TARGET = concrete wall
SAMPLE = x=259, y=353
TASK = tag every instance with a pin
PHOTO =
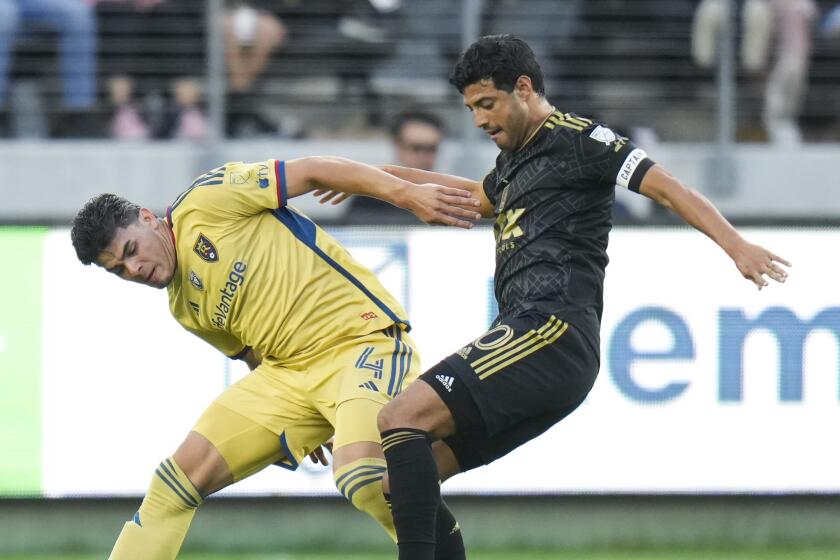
x=48, y=181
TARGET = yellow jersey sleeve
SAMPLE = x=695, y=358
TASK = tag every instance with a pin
x=239, y=189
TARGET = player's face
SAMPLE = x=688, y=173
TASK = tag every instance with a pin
x=502, y=115
x=143, y=252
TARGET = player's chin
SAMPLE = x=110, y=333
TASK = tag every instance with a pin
x=501, y=141
x=161, y=284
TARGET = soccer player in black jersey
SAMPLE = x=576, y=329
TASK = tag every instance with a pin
x=550, y=193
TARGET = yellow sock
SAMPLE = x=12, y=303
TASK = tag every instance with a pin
x=361, y=483
x=159, y=527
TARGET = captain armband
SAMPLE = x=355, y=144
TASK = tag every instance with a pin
x=633, y=170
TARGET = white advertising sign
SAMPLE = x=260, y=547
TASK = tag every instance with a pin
x=706, y=384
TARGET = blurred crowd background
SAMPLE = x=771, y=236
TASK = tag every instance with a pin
x=136, y=69
x=730, y=94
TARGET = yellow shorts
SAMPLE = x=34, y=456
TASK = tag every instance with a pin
x=279, y=414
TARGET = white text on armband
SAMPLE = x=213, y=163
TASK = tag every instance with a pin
x=629, y=167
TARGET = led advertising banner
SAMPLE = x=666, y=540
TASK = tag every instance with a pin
x=706, y=384
x=20, y=361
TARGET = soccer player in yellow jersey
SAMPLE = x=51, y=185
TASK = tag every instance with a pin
x=328, y=345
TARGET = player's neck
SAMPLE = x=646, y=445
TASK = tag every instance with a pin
x=543, y=110
x=169, y=242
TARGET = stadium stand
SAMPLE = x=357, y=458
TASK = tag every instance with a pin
x=625, y=62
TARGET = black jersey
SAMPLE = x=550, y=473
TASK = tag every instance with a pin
x=553, y=201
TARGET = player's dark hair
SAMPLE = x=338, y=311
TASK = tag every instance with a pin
x=413, y=115
x=96, y=224
x=501, y=58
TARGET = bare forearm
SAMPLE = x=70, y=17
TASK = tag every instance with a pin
x=419, y=176
x=431, y=203
x=346, y=176
x=753, y=261
x=696, y=210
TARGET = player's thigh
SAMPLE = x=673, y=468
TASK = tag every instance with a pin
x=261, y=420
x=514, y=382
x=352, y=384
x=475, y=449
x=523, y=368
x=376, y=366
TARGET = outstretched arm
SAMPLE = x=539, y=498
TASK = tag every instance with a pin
x=432, y=203
x=753, y=261
x=419, y=176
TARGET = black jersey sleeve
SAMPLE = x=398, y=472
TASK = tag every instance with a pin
x=489, y=185
x=629, y=166
x=608, y=159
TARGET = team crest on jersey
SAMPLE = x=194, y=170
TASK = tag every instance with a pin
x=195, y=307
x=196, y=281
x=205, y=249
x=603, y=134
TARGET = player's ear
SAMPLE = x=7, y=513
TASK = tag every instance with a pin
x=523, y=87
x=146, y=216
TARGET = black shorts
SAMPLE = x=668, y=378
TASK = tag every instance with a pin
x=512, y=384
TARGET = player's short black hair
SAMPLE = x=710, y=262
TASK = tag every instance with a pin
x=501, y=58
x=413, y=115
x=96, y=224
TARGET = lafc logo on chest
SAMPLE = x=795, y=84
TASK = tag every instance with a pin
x=506, y=226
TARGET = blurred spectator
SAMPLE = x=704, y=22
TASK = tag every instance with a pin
x=788, y=80
x=186, y=120
x=251, y=36
x=126, y=121
x=830, y=26
x=790, y=23
x=75, y=23
x=415, y=137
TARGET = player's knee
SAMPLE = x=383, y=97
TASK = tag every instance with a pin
x=203, y=464
x=360, y=482
x=388, y=418
x=170, y=493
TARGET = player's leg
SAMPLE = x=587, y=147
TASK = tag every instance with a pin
x=360, y=475
x=517, y=371
x=197, y=469
x=358, y=464
x=374, y=370
x=408, y=425
x=158, y=528
x=239, y=434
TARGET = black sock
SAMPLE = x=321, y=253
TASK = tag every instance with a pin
x=415, y=492
x=449, y=543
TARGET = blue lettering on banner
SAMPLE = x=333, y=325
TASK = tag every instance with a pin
x=790, y=332
x=622, y=354
x=734, y=327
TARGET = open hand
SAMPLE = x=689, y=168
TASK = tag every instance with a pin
x=755, y=262
x=448, y=206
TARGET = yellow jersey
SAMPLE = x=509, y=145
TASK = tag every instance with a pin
x=253, y=272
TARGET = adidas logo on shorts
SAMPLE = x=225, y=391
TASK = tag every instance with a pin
x=446, y=381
